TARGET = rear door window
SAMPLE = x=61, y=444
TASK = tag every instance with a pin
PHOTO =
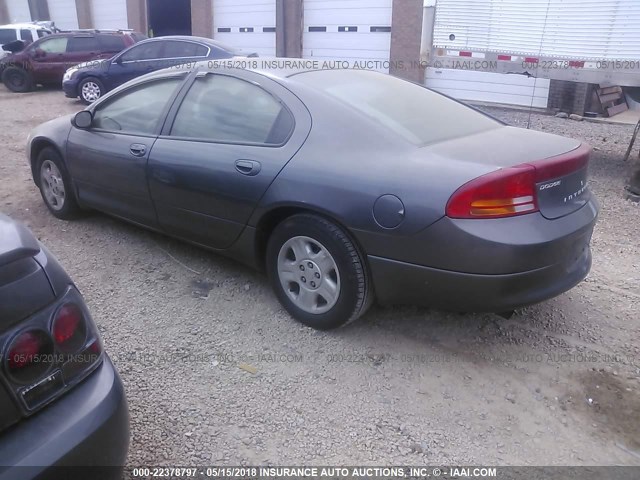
x=145, y=51
x=7, y=35
x=82, y=44
x=175, y=49
x=226, y=109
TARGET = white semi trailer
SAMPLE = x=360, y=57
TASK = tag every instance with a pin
x=592, y=41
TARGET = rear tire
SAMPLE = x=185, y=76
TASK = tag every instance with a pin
x=55, y=185
x=17, y=80
x=90, y=89
x=317, y=273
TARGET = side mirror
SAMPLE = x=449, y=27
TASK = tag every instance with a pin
x=39, y=53
x=83, y=119
x=119, y=60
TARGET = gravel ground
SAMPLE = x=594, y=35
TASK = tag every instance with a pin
x=217, y=373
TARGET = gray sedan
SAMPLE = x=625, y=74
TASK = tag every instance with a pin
x=344, y=185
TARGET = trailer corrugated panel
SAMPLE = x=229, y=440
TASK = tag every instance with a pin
x=572, y=29
x=489, y=87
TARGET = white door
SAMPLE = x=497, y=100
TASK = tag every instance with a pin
x=489, y=87
x=63, y=14
x=249, y=25
x=18, y=11
x=109, y=14
x=353, y=30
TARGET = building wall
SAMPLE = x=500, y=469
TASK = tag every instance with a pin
x=202, y=18
x=111, y=14
x=64, y=14
x=406, y=36
x=18, y=11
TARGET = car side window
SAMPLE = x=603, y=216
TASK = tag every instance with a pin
x=7, y=35
x=26, y=35
x=111, y=43
x=178, y=49
x=54, y=45
x=226, y=109
x=136, y=110
x=82, y=44
x=145, y=51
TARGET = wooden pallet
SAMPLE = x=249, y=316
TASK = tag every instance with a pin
x=612, y=100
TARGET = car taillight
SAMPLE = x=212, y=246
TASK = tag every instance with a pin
x=503, y=193
x=59, y=347
x=69, y=328
x=512, y=191
x=29, y=356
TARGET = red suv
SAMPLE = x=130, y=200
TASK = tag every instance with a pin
x=45, y=60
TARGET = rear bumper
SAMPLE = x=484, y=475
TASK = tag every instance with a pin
x=87, y=427
x=488, y=266
x=404, y=283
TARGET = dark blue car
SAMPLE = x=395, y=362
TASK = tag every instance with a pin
x=91, y=80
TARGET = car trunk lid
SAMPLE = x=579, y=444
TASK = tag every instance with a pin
x=560, y=163
x=24, y=286
x=562, y=185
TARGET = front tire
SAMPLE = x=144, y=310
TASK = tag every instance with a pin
x=17, y=80
x=317, y=273
x=55, y=185
x=90, y=90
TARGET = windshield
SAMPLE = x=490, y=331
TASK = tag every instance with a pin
x=418, y=114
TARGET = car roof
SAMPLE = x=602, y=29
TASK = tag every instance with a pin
x=85, y=33
x=189, y=38
x=24, y=26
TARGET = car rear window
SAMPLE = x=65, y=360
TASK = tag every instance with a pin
x=418, y=114
x=7, y=35
x=111, y=43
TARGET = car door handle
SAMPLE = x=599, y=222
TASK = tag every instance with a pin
x=248, y=167
x=138, y=149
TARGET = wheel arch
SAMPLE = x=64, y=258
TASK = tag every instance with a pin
x=270, y=219
x=37, y=145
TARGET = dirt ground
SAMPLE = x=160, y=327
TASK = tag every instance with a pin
x=217, y=373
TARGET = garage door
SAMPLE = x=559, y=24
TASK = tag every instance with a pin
x=18, y=11
x=246, y=24
x=489, y=87
x=109, y=14
x=63, y=13
x=347, y=30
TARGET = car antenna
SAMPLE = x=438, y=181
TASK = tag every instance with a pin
x=535, y=78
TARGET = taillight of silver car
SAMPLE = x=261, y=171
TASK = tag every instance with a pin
x=51, y=351
x=512, y=191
